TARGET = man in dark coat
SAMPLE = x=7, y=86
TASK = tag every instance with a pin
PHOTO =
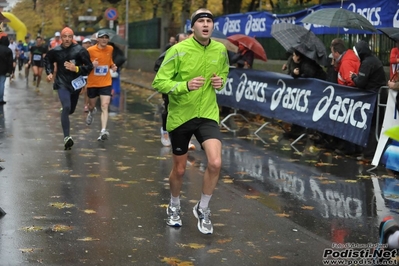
x=371, y=77
x=6, y=67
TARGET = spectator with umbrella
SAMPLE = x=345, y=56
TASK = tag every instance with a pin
x=307, y=68
x=248, y=50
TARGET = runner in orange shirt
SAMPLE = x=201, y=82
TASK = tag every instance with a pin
x=99, y=81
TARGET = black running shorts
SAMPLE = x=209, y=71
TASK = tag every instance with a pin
x=202, y=128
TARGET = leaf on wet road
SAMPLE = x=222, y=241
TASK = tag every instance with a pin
x=93, y=175
x=176, y=262
x=157, y=157
x=225, y=240
x=225, y=210
x=88, y=239
x=39, y=217
x=152, y=193
x=132, y=182
x=61, y=205
x=282, y=215
x=89, y=211
x=214, y=250
x=251, y=197
x=228, y=181
x=307, y=207
x=123, y=168
x=278, y=257
x=163, y=206
x=75, y=176
x=61, y=228
x=273, y=194
x=32, y=228
x=122, y=185
x=218, y=225
x=111, y=179
x=275, y=138
x=191, y=245
x=30, y=250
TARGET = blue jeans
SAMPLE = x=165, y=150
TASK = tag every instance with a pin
x=2, y=85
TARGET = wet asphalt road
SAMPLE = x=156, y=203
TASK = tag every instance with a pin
x=103, y=203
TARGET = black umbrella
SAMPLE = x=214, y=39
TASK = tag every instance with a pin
x=292, y=36
x=339, y=17
x=391, y=32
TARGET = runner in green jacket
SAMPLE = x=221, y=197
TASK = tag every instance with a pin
x=190, y=74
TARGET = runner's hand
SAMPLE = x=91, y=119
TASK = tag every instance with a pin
x=216, y=81
x=196, y=83
x=49, y=77
x=70, y=66
x=95, y=62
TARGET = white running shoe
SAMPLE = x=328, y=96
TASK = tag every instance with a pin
x=204, y=223
x=165, y=140
x=90, y=116
x=173, y=213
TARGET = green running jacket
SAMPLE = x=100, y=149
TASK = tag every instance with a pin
x=183, y=62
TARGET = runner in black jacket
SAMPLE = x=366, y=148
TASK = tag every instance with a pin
x=73, y=62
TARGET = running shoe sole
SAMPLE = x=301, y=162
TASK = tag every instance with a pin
x=68, y=145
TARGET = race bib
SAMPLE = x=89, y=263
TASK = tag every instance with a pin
x=78, y=83
x=37, y=57
x=101, y=71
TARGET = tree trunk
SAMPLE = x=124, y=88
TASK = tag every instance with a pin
x=185, y=12
x=166, y=21
x=231, y=6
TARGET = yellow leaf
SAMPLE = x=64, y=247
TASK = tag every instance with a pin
x=278, y=257
x=307, y=207
x=61, y=228
x=111, y=179
x=364, y=176
x=350, y=181
x=75, y=176
x=273, y=194
x=225, y=210
x=61, y=205
x=87, y=239
x=282, y=215
x=227, y=181
x=251, y=197
x=224, y=241
x=121, y=185
x=132, y=182
x=32, y=228
x=123, y=168
x=215, y=250
x=93, y=175
x=89, y=211
x=39, y=217
x=191, y=245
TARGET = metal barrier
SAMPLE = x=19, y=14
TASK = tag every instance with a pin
x=380, y=106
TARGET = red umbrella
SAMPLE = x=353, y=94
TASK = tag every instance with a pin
x=250, y=43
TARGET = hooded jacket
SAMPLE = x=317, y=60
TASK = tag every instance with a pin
x=371, y=72
x=183, y=62
x=59, y=55
x=6, y=57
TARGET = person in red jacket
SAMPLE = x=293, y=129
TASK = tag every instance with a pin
x=346, y=62
x=394, y=61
